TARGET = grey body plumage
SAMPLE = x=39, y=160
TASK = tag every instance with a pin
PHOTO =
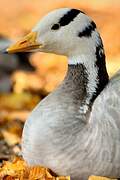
x=75, y=130
x=71, y=143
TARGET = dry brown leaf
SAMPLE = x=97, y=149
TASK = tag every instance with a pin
x=6, y=115
x=98, y=178
x=18, y=101
x=15, y=169
x=18, y=170
x=10, y=138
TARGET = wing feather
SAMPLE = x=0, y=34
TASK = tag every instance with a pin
x=107, y=104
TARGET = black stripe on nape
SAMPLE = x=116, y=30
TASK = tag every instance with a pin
x=100, y=64
x=88, y=30
x=69, y=16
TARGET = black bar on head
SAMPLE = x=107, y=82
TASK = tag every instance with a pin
x=88, y=30
x=69, y=16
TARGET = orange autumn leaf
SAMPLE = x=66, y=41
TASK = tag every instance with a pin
x=10, y=138
x=99, y=178
x=15, y=169
x=19, y=170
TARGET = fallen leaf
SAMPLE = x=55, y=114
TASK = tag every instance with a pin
x=99, y=178
x=19, y=170
x=10, y=138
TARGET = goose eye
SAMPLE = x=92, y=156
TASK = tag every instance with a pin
x=55, y=26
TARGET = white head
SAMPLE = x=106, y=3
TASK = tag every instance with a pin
x=64, y=31
x=72, y=33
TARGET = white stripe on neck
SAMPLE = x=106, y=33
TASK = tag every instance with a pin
x=89, y=62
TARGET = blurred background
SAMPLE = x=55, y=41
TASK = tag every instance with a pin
x=27, y=78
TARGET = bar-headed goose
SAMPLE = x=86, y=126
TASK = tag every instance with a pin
x=75, y=130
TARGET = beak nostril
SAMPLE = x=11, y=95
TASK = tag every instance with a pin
x=23, y=42
x=26, y=44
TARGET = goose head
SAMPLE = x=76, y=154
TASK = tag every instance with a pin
x=64, y=31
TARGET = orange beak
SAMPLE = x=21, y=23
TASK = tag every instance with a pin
x=29, y=42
